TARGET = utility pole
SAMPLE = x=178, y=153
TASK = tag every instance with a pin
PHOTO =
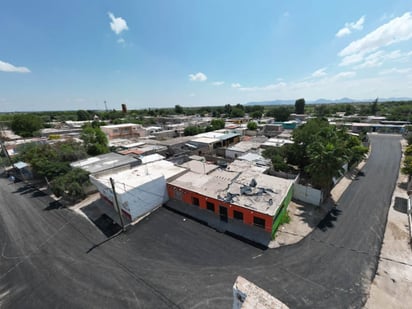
x=117, y=204
x=3, y=147
x=105, y=105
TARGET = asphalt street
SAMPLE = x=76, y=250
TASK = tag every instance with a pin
x=52, y=257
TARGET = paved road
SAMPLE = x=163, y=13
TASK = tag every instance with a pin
x=49, y=259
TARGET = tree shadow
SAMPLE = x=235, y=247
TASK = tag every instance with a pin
x=310, y=214
x=328, y=221
x=403, y=185
x=38, y=193
x=54, y=206
x=24, y=190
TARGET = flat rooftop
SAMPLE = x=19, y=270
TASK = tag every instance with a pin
x=104, y=162
x=122, y=125
x=205, y=140
x=248, y=188
x=277, y=142
x=128, y=179
x=199, y=167
x=245, y=146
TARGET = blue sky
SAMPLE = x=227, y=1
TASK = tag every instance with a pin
x=69, y=55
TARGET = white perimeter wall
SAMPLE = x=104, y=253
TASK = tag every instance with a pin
x=307, y=194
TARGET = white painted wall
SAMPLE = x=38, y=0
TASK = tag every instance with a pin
x=233, y=154
x=144, y=198
x=307, y=194
x=140, y=200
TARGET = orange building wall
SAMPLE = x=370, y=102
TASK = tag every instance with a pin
x=247, y=213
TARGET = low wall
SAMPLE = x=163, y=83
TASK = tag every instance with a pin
x=409, y=213
x=307, y=194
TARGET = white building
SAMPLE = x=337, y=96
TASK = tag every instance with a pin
x=139, y=190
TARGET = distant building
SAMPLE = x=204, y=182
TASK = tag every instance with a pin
x=125, y=130
x=276, y=142
x=242, y=148
x=105, y=162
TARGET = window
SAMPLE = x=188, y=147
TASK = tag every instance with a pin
x=238, y=215
x=178, y=195
x=210, y=206
x=195, y=201
x=259, y=222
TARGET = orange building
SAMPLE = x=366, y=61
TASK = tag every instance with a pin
x=240, y=199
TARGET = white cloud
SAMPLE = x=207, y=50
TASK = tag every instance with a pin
x=269, y=87
x=218, y=83
x=319, y=73
x=397, y=30
x=376, y=59
x=8, y=67
x=198, y=77
x=236, y=85
x=395, y=71
x=117, y=24
x=351, y=59
x=348, y=74
x=358, y=25
x=342, y=32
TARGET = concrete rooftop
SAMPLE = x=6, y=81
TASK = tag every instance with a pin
x=128, y=179
x=235, y=187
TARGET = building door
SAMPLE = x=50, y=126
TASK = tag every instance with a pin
x=223, y=213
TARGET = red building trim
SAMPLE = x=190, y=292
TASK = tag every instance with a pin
x=124, y=212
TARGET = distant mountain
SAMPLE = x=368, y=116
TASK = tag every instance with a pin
x=329, y=101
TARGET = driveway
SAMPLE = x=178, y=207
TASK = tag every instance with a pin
x=52, y=257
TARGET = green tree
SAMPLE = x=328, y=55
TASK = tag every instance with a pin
x=95, y=141
x=252, y=125
x=326, y=161
x=300, y=106
x=322, y=110
x=374, y=107
x=191, y=130
x=349, y=110
x=237, y=112
x=26, y=125
x=179, y=109
x=407, y=166
x=217, y=124
x=256, y=114
x=277, y=157
x=71, y=184
x=303, y=136
x=83, y=115
x=280, y=113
